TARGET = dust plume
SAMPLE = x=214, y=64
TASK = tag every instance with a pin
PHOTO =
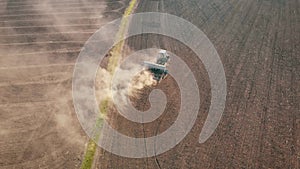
x=78, y=16
x=128, y=80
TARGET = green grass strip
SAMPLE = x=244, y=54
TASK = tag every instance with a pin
x=104, y=105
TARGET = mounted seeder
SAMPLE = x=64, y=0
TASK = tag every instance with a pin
x=159, y=69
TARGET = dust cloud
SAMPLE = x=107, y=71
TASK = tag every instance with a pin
x=128, y=80
x=84, y=13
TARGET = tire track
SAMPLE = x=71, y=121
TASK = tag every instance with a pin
x=241, y=65
x=48, y=42
x=93, y=7
x=47, y=26
x=52, y=4
x=253, y=68
x=265, y=110
x=45, y=14
x=51, y=19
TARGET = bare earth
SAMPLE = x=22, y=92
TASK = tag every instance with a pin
x=257, y=40
x=39, y=44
